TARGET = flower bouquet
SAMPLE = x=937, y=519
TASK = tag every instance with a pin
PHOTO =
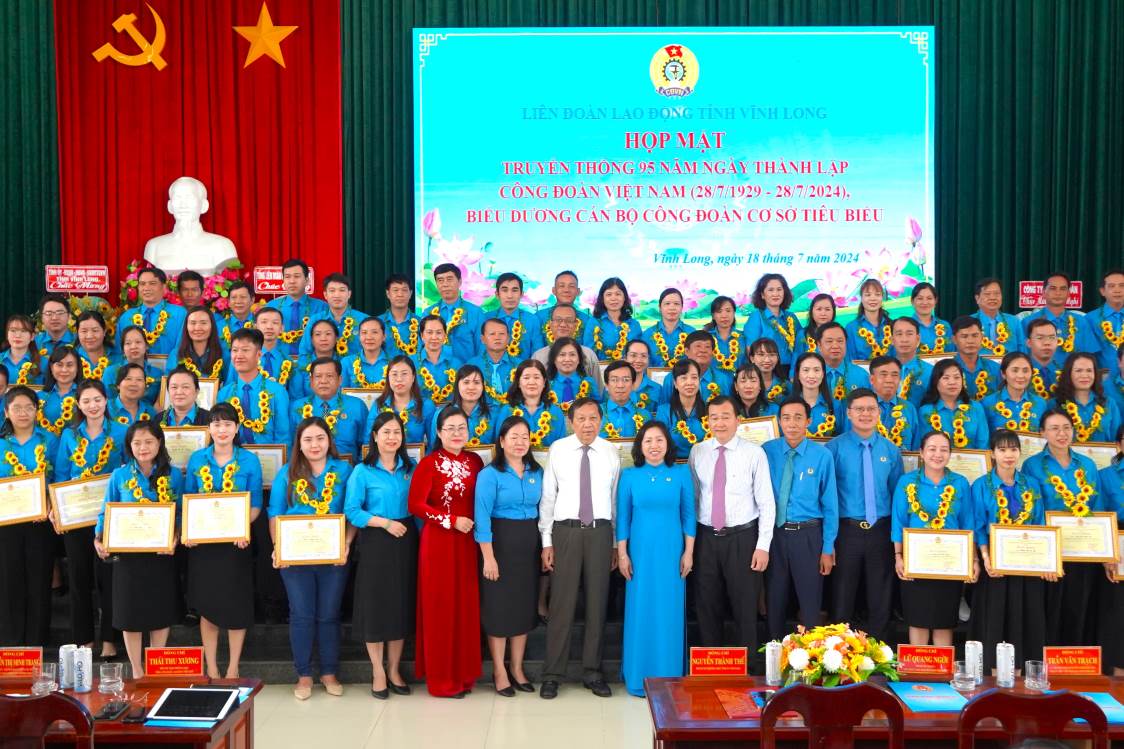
x=834, y=655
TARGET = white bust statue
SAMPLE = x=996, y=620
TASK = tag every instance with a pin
x=188, y=247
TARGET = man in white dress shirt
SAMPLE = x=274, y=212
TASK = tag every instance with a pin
x=576, y=515
x=736, y=517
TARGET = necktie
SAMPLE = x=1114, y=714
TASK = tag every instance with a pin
x=585, y=492
x=294, y=316
x=324, y=408
x=718, y=492
x=148, y=318
x=497, y=380
x=244, y=431
x=786, y=487
x=567, y=390
x=268, y=359
x=868, y=484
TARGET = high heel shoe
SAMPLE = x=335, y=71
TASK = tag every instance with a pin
x=524, y=686
x=380, y=694
x=508, y=691
x=402, y=689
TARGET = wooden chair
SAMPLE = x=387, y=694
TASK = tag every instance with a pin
x=1031, y=716
x=831, y=714
x=24, y=720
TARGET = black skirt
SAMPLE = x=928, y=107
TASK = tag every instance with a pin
x=1010, y=609
x=931, y=604
x=144, y=592
x=508, y=606
x=1071, y=605
x=220, y=584
x=1110, y=608
x=386, y=584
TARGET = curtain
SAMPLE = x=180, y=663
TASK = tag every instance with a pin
x=264, y=139
x=1029, y=101
x=29, y=219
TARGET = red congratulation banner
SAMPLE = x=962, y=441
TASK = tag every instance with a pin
x=1072, y=661
x=163, y=663
x=926, y=660
x=20, y=663
x=77, y=279
x=243, y=95
x=718, y=661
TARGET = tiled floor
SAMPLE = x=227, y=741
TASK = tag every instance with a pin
x=480, y=721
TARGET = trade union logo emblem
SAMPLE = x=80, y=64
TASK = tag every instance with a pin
x=674, y=70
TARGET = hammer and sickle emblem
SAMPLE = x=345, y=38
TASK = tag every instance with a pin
x=149, y=51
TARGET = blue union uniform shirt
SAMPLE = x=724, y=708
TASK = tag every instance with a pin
x=960, y=510
x=247, y=477
x=1081, y=472
x=783, y=329
x=279, y=503
x=813, y=492
x=120, y=491
x=374, y=491
x=847, y=450
x=507, y=496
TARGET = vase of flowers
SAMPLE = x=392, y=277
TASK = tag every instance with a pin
x=834, y=655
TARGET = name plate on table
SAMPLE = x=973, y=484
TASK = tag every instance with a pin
x=23, y=499
x=486, y=452
x=719, y=662
x=1030, y=444
x=367, y=395
x=139, y=526
x=623, y=447
x=20, y=664
x=78, y=502
x=1025, y=549
x=937, y=555
x=173, y=663
x=934, y=661
x=272, y=458
x=216, y=518
x=309, y=539
x=1101, y=453
x=1091, y=538
x=183, y=441
x=1072, y=661
x=758, y=430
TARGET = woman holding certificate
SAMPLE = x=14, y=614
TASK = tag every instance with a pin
x=1007, y=608
x=92, y=447
x=144, y=583
x=312, y=483
x=442, y=495
x=220, y=576
x=26, y=548
x=507, y=510
x=933, y=498
x=387, y=575
x=1070, y=485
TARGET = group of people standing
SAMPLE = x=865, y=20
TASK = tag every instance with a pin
x=449, y=545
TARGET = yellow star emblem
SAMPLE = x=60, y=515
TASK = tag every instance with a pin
x=265, y=38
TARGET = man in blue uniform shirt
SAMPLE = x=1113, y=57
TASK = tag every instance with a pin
x=523, y=327
x=495, y=362
x=1002, y=331
x=566, y=291
x=915, y=372
x=1107, y=321
x=1045, y=357
x=297, y=307
x=54, y=315
x=346, y=415
x=842, y=375
x=462, y=318
x=981, y=376
x=162, y=322
x=262, y=404
x=402, y=332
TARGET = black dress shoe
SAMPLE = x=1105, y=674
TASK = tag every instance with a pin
x=508, y=691
x=548, y=690
x=598, y=687
x=380, y=694
x=525, y=686
x=458, y=695
x=402, y=689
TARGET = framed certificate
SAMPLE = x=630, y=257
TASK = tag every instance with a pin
x=23, y=499
x=205, y=398
x=1025, y=549
x=486, y=452
x=1100, y=453
x=215, y=518
x=658, y=374
x=139, y=526
x=911, y=461
x=309, y=539
x=183, y=441
x=971, y=464
x=863, y=364
x=624, y=451
x=1030, y=444
x=78, y=502
x=937, y=555
x=1087, y=539
x=272, y=458
x=759, y=429
x=160, y=361
x=367, y=395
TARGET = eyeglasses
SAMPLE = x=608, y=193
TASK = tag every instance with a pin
x=455, y=430
x=23, y=410
x=56, y=313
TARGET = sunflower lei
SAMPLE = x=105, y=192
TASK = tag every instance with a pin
x=669, y=357
x=1039, y=384
x=409, y=348
x=775, y=391
x=1022, y=424
x=477, y=433
x=959, y=436
x=1066, y=343
x=292, y=336
x=788, y=332
x=331, y=418
x=259, y=424
x=438, y=394
x=839, y=392
x=1027, y=495
x=189, y=365
x=894, y=433
x=613, y=433
x=614, y=353
x=282, y=376
x=641, y=400
x=94, y=373
x=343, y=343
x=876, y=349
x=163, y=490
x=78, y=457
x=226, y=329
x=810, y=342
x=24, y=370
x=948, y=496
x=938, y=342
x=542, y=428
x=1110, y=335
x=907, y=383
x=583, y=391
x=825, y=429
x=65, y=414
x=124, y=418
x=728, y=362
x=161, y=323
x=517, y=330
x=207, y=481
x=321, y=505
x=1077, y=503
x=360, y=378
x=1084, y=432
x=18, y=468
x=1002, y=335
x=685, y=432
x=454, y=321
x=981, y=384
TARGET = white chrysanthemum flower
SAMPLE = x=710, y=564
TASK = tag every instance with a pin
x=887, y=653
x=867, y=664
x=832, y=661
x=832, y=641
x=798, y=659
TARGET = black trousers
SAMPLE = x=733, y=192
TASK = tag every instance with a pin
x=88, y=573
x=27, y=558
x=722, y=576
x=582, y=557
x=794, y=562
x=269, y=591
x=864, y=557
